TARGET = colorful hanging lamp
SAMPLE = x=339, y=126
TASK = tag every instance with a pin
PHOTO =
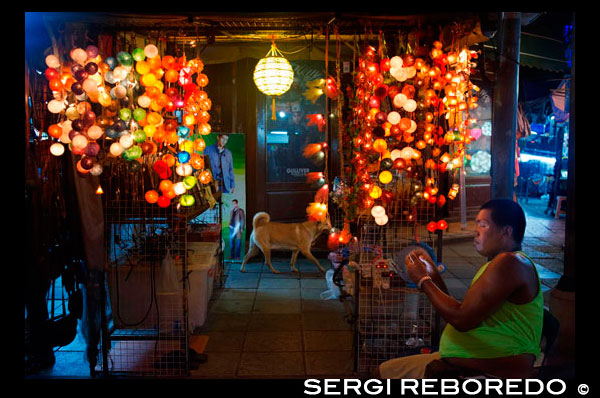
x=273, y=75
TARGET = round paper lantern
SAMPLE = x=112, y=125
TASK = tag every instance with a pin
x=96, y=169
x=79, y=55
x=89, y=85
x=385, y=177
x=432, y=226
x=163, y=201
x=179, y=188
x=116, y=149
x=144, y=101
x=119, y=73
x=413, y=127
x=273, y=74
x=199, y=145
x=56, y=106
x=52, y=61
x=187, y=200
x=57, y=149
x=91, y=51
x=168, y=159
x=139, y=136
x=205, y=177
x=150, y=51
x=197, y=161
x=125, y=114
x=149, y=129
x=94, y=132
x=396, y=62
x=399, y=100
x=139, y=114
x=410, y=105
x=138, y=54
x=183, y=157
x=151, y=196
x=202, y=80
x=126, y=140
x=189, y=182
x=165, y=185
x=380, y=145
x=91, y=68
x=55, y=130
x=393, y=117
x=154, y=118
x=381, y=220
x=375, y=192
x=81, y=169
x=79, y=141
x=184, y=169
x=125, y=58
x=377, y=211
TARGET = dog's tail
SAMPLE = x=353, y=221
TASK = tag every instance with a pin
x=260, y=218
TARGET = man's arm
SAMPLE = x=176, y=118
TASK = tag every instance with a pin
x=501, y=278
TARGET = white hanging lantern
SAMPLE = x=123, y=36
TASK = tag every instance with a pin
x=273, y=75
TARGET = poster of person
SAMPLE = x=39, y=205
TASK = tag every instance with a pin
x=227, y=155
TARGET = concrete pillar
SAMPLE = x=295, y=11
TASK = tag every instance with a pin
x=506, y=95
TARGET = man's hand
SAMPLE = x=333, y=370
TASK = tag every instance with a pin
x=416, y=265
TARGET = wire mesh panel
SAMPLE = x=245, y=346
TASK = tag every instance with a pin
x=393, y=318
x=146, y=257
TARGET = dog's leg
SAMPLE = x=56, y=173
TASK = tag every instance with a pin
x=252, y=251
x=293, y=262
x=309, y=255
x=267, y=252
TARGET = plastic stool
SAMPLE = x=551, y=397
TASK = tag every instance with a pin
x=559, y=201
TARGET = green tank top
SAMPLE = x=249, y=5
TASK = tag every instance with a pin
x=512, y=330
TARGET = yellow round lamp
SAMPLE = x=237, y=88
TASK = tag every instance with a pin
x=273, y=75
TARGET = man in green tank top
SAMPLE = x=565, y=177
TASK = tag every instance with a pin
x=496, y=329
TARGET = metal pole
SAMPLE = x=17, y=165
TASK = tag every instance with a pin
x=567, y=281
x=463, y=198
x=506, y=94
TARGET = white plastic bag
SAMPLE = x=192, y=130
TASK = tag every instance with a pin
x=332, y=291
x=167, y=281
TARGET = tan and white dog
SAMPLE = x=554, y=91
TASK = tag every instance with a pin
x=297, y=237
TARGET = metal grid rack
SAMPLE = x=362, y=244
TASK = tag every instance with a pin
x=146, y=263
x=393, y=319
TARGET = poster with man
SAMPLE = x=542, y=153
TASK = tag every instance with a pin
x=227, y=155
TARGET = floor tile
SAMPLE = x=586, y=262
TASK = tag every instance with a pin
x=320, y=305
x=232, y=306
x=218, y=365
x=235, y=294
x=251, y=283
x=225, y=341
x=282, y=306
x=273, y=341
x=330, y=340
x=311, y=293
x=277, y=294
x=275, y=283
x=325, y=321
x=329, y=363
x=319, y=283
x=275, y=322
x=271, y=364
x=225, y=321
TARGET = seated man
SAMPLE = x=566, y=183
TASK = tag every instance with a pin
x=496, y=330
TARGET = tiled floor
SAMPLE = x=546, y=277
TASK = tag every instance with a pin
x=265, y=325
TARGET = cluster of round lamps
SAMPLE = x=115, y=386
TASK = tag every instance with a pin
x=410, y=117
x=129, y=106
